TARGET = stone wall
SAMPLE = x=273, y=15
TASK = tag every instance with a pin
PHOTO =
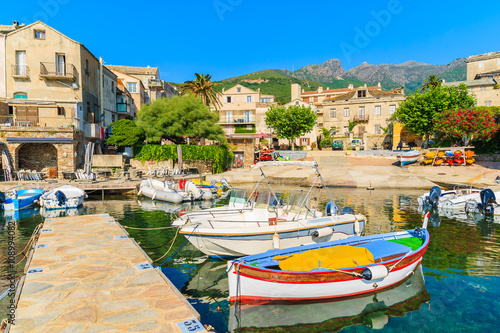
x=45, y=155
x=4, y=109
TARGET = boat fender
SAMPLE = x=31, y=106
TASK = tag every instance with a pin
x=182, y=184
x=374, y=272
x=323, y=232
x=330, y=209
x=276, y=240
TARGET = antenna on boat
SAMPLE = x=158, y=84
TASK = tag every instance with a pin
x=324, y=185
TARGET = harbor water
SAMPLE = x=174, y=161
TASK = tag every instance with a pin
x=456, y=289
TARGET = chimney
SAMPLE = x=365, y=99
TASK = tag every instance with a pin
x=327, y=88
x=351, y=87
x=320, y=89
x=379, y=85
x=258, y=90
x=364, y=85
x=296, y=91
x=303, y=90
x=223, y=89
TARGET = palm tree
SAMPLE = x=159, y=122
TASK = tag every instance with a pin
x=203, y=88
x=432, y=81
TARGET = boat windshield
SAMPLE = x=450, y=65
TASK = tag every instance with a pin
x=299, y=200
x=238, y=197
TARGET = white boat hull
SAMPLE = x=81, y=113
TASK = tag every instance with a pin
x=157, y=190
x=256, y=289
x=74, y=198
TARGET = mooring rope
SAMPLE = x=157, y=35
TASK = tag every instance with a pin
x=187, y=238
x=171, y=245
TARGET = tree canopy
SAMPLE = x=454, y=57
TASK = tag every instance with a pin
x=432, y=81
x=126, y=133
x=291, y=122
x=203, y=87
x=418, y=113
x=179, y=117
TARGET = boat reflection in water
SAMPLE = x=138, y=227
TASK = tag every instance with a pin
x=150, y=205
x=53, y=213
x=16, y=215
x=209, y=282
x=372, y=311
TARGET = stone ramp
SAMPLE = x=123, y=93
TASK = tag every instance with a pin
x=87, y=275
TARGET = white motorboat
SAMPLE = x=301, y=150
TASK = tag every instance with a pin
x=452, y=199
x=185, y=190
x=487, y=205
x=264, y=222
x=63, y=197
x=408, y=157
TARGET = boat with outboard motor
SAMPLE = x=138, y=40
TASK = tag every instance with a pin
x=451, y=199
x=341, y=268
x=487, y=204
x=63, y=197
x=169, y=191
x=264, y=222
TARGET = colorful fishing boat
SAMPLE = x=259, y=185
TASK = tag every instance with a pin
x=373, y=310
x=265, y=222
x=23, y=198
x=343, y=268
x=408, y=157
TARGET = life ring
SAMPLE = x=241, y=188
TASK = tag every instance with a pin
x=182, y=184
x=239, y=164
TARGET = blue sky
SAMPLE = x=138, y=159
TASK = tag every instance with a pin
x=233, y=37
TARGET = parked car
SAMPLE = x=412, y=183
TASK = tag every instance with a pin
x=357, y=143
x=337, y=145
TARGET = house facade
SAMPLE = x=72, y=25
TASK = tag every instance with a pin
x=56, y=98
x=135, y=89
x=483, y=78
x=242, y=116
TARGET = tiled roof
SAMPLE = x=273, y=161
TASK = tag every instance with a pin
x=336, y=90
x=472, y=83
x=486, y=56
x=372, y=92
x=349, y=95
x=493, y=73
x=130, y=70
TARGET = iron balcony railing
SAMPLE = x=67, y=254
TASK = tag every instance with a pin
x=20, y=71
x=155, y=83
x=361, y=118
x=52, y=70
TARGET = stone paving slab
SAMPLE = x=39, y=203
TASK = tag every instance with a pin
x=86, y=275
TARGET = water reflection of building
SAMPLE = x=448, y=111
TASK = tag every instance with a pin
x=373, y=311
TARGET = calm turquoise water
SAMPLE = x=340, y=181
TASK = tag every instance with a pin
x=459, y=291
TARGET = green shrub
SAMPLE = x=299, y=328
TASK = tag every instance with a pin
x=219, y=155
x=242, y=128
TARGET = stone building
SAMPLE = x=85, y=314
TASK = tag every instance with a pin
x=242, y=116
x=56, y=96
x=483, y=78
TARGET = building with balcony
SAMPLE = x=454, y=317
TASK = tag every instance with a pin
x=148, y=76
x=55, y=92
x=483, y=78
x=125, y=106
x=135, y=89
x=242, y=116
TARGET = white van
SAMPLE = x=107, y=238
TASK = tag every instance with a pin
x=355, y=143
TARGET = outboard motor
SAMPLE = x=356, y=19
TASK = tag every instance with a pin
x=346, y=211
x=432, y=200
x=487, y=201
x=331, y=209
x=61, y=198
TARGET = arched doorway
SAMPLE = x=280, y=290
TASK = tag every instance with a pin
x=37, y=156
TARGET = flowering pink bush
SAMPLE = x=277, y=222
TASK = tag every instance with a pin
x=469, y=123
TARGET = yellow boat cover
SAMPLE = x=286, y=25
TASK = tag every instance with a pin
x=336, y=257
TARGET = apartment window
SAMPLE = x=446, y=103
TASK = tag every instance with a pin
x=333, y=113
x=229, y=116
x=61, y=111
x=377, y=129
x=304, y=141
x=248, y=116
x=21, y=63
x=20, y=95
x=346, y=112
x=362, y=93
x=147, y=100
x=239, y=89
x=392, y=109
x=113, y=118
x=229, y=99
x=87, y=69
x=112, y=86
x=132, y=87
x=483, y=88
x=39, y=34
x=268, y=100
x=481, y=64
x=346, y=130
x=378, y=110
x=249, y=99
x=11, y=110
x=361, y=112
x=487, y=103
x=296, y=103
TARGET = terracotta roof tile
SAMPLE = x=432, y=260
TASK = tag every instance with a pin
x=130, y=70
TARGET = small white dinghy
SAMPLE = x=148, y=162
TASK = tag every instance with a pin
x=63, y=197
x=408, y=157
x=185, y=190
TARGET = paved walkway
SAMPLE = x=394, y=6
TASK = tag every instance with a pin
x=86, y=275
